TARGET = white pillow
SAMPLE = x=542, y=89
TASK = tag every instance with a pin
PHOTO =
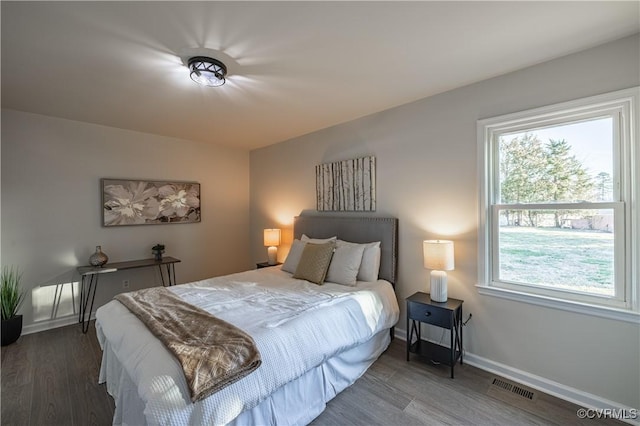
x=293, y=258
x=370, y=264
x=317, y=240
x=345, y=263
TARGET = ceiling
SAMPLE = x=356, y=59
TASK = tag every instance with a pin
x=294, y=67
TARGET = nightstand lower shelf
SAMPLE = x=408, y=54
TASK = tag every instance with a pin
x=434, y=352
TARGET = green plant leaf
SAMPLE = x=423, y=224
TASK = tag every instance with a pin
x=11, y=295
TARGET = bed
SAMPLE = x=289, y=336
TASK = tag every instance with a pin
x=314, y=341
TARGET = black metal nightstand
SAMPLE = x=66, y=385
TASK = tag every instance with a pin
x=266, y=265
x=421, y=309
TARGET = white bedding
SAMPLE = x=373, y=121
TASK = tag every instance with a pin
x=303, y=331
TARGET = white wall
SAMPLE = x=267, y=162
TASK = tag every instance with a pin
x=427, y=177
x=51, y=212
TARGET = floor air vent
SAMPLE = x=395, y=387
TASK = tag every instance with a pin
x=502, y=384
x=512, y=388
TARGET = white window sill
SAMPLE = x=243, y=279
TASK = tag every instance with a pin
x=549, y=302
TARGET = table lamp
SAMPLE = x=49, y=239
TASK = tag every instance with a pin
x=272, y=240
x=438, y=256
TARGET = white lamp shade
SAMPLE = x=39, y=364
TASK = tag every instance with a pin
x=271, y=237
x=438, y=255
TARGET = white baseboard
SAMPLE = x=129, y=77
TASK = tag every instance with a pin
x=567, y=393
x=51, y=324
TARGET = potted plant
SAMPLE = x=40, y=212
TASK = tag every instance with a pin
x=11, y=297
x=157, y=250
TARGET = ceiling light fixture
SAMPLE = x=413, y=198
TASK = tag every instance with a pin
x=207, y=71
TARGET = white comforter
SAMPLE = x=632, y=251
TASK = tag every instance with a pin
x=295, y=324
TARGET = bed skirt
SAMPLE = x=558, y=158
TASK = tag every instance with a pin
x=291, y=404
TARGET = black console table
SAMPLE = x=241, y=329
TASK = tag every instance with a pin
x=90, y=274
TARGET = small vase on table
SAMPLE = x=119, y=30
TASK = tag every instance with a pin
x=99, y=258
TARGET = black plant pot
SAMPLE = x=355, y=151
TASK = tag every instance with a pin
x=11, y=330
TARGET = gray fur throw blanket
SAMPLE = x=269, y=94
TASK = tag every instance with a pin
x=212, y=352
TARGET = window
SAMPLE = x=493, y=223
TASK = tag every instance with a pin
x=559, y=219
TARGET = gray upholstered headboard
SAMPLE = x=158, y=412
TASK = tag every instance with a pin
x=356, y=230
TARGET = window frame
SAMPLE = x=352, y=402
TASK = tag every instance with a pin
x=623, y=107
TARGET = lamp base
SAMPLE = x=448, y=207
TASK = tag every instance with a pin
x=272, y=252
x=438, y=286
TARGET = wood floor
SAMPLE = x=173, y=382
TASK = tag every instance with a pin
x=51, y=378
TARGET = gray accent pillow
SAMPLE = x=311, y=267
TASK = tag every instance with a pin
x=345, y=263
x=314, y=262
x=307, y=239
x=293, y=258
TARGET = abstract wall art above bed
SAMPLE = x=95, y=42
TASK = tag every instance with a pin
x=144, y=202
x=348, y=185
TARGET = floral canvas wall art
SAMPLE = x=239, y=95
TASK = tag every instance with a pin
x=144, y=202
